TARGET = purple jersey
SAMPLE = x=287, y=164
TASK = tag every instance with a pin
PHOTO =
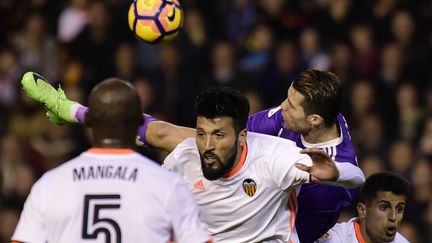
x=319, y=205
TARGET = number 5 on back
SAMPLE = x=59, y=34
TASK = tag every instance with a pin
x=93, y=224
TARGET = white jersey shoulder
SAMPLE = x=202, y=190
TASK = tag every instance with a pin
x=124, y=197
x=250, y=203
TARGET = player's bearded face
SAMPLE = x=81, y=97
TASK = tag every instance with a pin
x=217, y=142
x=218, y=168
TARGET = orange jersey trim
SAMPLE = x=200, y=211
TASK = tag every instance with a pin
x=292, y=206
x=358, y=232
x=240, y=164
x=110, y=151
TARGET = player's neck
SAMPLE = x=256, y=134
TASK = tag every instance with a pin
x=108, y=137
x=239, y=159
x=364, y=234
x=113, y=142
x=322, y=134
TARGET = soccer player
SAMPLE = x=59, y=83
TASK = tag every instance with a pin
x=243, y=181
x=310, y=116
x=110, y=193
x=380, y=209
x=238, y=167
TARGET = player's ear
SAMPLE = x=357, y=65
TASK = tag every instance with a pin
x=242, y=137
x=315, y=120
x=361, y=210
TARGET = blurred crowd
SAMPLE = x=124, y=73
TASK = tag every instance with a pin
x=381, y=49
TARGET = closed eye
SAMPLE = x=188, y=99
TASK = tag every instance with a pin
x=200, y=134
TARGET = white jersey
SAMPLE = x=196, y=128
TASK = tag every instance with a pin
x=110, y=196
x=250, y=204
x=349, y=232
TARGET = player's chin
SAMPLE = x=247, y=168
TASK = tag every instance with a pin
x=211, y=175
x=388, y=236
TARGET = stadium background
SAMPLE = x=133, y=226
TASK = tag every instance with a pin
x=382, y=49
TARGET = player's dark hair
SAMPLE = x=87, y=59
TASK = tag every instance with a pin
x=383, y=181
x=223, y=101
x=323, y=94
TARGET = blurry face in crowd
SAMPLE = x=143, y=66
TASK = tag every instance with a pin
x=218, y=145
x=293, y=113
x=383, y=216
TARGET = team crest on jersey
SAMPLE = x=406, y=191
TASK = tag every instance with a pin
x=249, y=186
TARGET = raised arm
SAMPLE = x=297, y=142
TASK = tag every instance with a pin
x=61, y=111
x=164, y=135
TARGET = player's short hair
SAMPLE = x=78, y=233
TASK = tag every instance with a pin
x=223, y=101
x=383, y=181
x=114, y=103
x=323, y=94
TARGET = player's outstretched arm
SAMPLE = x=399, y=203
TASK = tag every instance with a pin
x=325, y=170
x=61, y=110
x=164, y=135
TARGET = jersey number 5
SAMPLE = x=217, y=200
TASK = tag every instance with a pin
x=93, y=223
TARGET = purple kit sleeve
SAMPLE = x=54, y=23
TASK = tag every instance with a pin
x=268, y=121
x=80, y=114
x=143, y=128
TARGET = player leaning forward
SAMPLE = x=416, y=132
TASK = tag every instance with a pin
x=242, y=181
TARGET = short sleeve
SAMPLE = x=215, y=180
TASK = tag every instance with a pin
x=283, y=170
x=183, y=209
x=170, y=163
x=30, y=226
x=180, y=156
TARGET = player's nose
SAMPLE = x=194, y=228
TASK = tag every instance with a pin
x=392, y=215
x=209, y=143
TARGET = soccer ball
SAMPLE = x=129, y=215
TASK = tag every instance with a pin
x=155, y=21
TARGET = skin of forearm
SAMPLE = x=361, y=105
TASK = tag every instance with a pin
x=166, y=136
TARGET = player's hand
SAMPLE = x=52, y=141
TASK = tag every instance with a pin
x=323, y=168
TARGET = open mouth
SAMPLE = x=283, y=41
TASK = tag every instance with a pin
x=209, y=158
x=391, y=230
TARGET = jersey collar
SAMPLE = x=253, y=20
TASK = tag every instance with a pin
x=333, y=142
x=358, y=232
x=110, y=151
